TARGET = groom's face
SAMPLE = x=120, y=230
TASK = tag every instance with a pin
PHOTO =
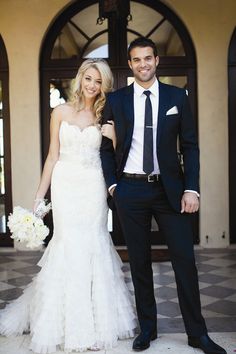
x=143, y=63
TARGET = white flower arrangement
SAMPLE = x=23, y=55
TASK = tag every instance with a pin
x=28, y=227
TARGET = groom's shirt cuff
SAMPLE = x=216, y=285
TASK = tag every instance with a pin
x=191, y=191
x=110, y=188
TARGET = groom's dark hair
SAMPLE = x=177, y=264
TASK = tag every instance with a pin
x=142, y=42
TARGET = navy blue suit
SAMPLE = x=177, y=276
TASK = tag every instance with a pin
x=137, y=200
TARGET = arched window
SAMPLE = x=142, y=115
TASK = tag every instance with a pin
x=232, y=135
x=103, y=29
x=5, y=150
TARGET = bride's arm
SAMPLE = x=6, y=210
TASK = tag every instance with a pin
x=52, y=157
x=108, y=130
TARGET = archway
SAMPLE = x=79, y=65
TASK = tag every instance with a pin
x=76, y=34
x=232, y=134
x=5, y=149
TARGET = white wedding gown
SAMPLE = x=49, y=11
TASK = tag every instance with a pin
x=79, y=299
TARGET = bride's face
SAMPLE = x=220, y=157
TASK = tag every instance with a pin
x=91, y=83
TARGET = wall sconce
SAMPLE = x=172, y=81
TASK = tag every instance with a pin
x=107, y=7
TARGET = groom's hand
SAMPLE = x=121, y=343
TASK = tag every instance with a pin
x=189, y=203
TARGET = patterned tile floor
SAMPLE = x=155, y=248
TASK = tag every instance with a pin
x=217, y=280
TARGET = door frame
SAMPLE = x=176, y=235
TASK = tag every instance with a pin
x=232, y=135
x=5, y=239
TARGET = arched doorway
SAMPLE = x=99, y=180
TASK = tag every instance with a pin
x=232, y=135
x=5, y=149
x=94, y=28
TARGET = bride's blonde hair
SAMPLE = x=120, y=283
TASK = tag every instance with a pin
x=107, y=84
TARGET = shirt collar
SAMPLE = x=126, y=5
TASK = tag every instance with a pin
x=138, y=90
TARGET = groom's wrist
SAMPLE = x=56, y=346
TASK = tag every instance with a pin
x=110, y=189
x=191, y=191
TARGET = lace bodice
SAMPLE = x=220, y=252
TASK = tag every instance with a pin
x=82, y=146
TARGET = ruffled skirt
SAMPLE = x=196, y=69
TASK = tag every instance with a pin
x=67, y=308
x=79, y=299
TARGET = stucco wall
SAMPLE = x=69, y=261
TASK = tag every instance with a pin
x=23, y=24
x=211, y=24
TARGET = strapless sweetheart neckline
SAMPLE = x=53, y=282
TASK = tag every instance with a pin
x=76, y=126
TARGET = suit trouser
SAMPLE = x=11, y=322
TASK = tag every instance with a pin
x=137, y=201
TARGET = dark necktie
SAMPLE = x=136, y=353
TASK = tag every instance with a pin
x=148, y=164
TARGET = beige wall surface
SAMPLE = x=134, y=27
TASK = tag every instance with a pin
x=211, y=24
x=23, y=24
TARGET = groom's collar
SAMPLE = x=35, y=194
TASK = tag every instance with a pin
x=138, y=89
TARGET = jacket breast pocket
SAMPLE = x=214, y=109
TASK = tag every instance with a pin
x=171, y=120
x=171, y=116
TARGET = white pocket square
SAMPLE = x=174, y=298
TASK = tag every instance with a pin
x=173, y=110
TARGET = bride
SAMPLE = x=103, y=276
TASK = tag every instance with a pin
x=79, y=300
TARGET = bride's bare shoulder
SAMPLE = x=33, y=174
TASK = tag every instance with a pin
x=62, y=111
x=64, y=108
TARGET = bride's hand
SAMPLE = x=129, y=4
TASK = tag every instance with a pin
x=37, y=201
x=108, y=130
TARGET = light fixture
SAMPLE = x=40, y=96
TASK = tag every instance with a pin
x=120, y=7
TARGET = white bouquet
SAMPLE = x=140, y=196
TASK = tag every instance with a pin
x=28, y=227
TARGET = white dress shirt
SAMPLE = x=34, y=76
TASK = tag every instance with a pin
x=134, y=163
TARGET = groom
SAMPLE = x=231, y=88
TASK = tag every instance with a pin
x=145, y=179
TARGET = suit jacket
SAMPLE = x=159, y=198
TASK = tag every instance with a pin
x=119, y=107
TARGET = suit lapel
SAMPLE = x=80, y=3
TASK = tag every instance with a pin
x=129, y=104
x=129, y=114
x=163, y=104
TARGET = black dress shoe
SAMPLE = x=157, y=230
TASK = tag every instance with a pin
x=206, y=344
x=143, y=340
